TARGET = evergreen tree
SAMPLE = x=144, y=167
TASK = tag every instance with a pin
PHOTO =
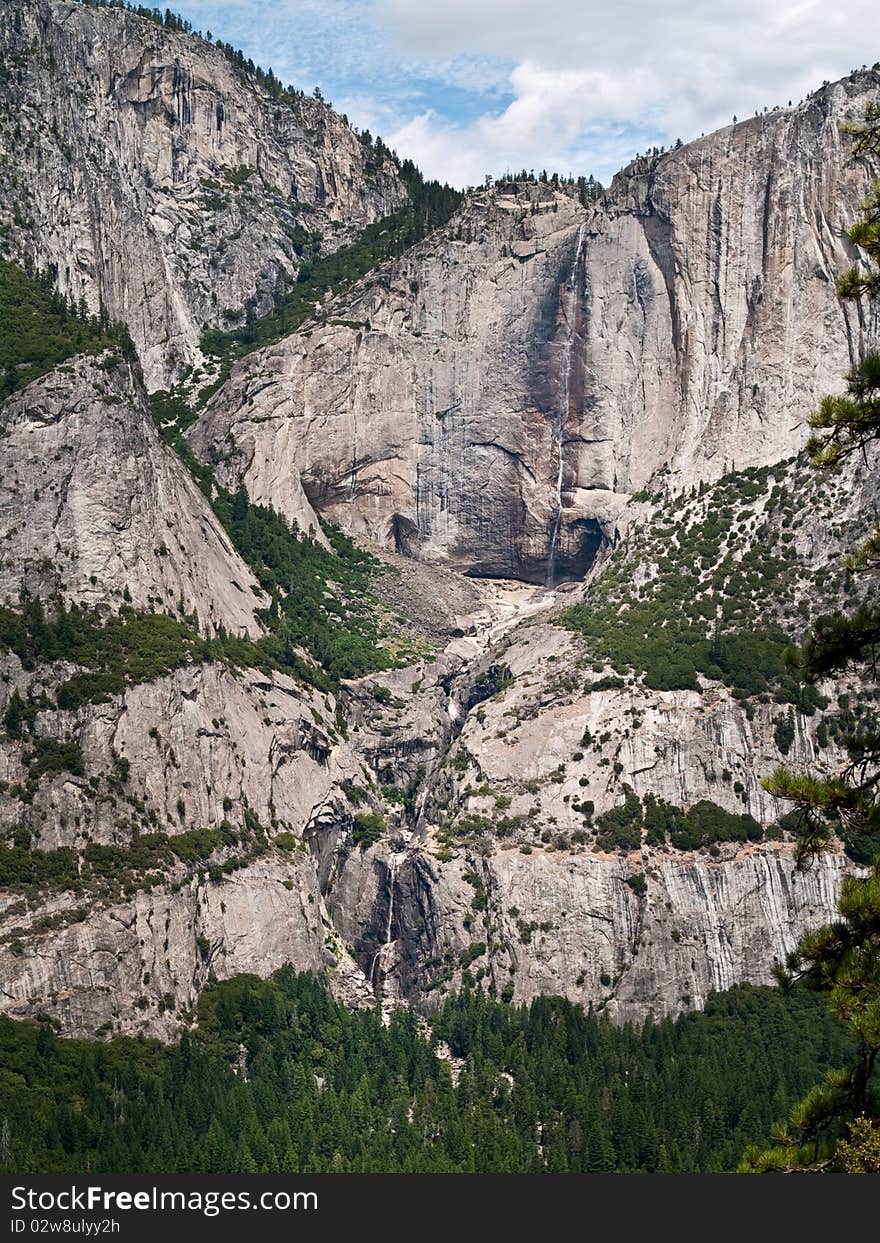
x=278, y=1077
x=844, y=425
x=837, y=1125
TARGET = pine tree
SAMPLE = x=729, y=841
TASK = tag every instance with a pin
x=844, y=425
x=15, y=715
x=844, y=960
x=837, y=1124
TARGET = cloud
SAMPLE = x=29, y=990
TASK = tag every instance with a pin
x=587, y=78
x=467, y=87
x=543, y=127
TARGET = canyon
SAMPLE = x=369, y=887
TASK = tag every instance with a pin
x=540, y=396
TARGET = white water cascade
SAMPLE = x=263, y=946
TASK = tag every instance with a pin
x=384, y=957
x=559, y=428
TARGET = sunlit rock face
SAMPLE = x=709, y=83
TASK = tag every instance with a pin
x=95, y=509
x=486, y=406
x=490, y=399
x=160, y=182
x=430, y=420
x=713, y=324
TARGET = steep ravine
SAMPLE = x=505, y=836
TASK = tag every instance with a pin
x=522, y=409
x=531, y=916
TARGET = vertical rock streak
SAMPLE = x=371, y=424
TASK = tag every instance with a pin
x=565, y=385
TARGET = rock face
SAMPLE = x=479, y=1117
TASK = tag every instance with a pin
x=139, y=966
x=488, y=403
x=95, y=509
x=98, y=511
x=204, y=748
x=516, y=891
x=160, y=181
x=490, y=396
x=208, y=747
x=217, y=740
x=713, y=327
x=431, y=421
x=572, y=925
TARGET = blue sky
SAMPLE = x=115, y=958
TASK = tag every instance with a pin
x=469, y=87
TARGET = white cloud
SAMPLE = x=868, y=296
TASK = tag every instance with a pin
x=473, y=86
x=594, y=81
x=544, y=127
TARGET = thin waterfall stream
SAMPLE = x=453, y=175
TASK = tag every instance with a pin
x=383, y=959
x=559, y=428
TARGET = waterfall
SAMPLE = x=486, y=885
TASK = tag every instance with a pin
x=559, y=428
x=384, y=955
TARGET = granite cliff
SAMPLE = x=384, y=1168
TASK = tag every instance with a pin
x=544, y=404
x=162, y=182
x=96, y=509
x=492, y=399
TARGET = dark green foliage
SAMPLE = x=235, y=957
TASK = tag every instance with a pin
x=841, y=960
x=285, y=841
x=699, y=826
x=354, y=793
x=587, y=189
x=368, y=828
x=621, y=827
x=609, y=683
x=118, y=650
x=784, y=733
x=115, y=870
x=152, y=852
x=172, y=417
x=838, y=643
x=705, y=823
x=865, y=847
x=51, y=756
x=683, y=1095
x=124, y=649
x=127, y=648
x=661, y=818
x=474, y=951
x=39, y=328
x=19, y=712
x=21, y=868
x=320, y=600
